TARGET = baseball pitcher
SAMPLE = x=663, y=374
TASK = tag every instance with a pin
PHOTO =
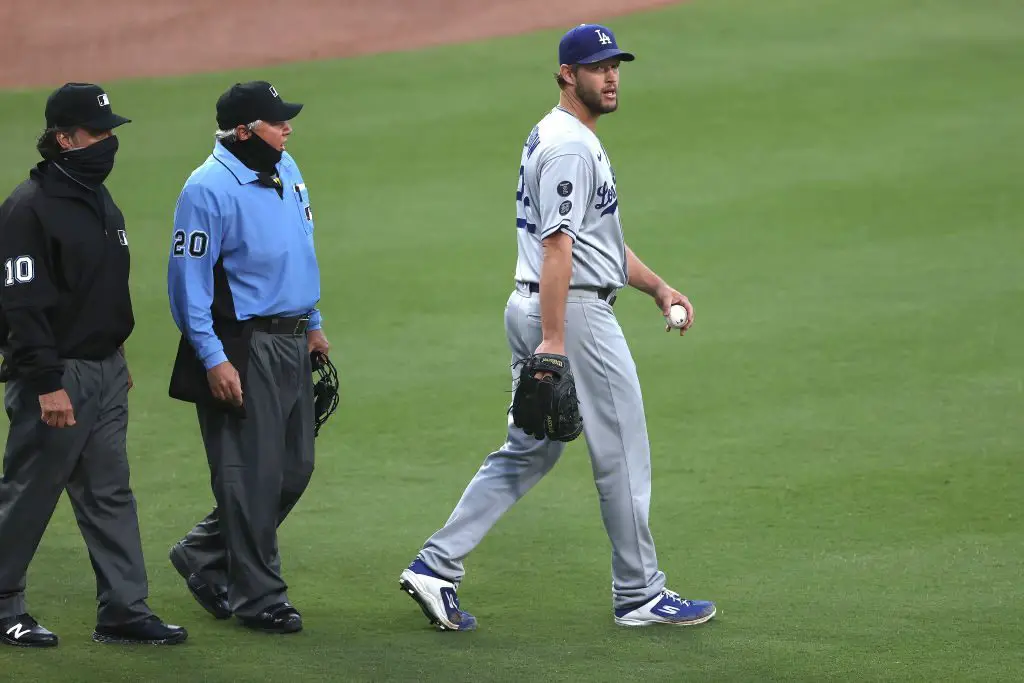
x=572, y=368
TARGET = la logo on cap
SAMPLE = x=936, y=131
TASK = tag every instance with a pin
x=273, y=92
x=103, y=100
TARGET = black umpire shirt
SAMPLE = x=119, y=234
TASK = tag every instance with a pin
x=65, y=255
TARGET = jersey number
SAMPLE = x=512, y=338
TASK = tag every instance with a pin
x=198, y=241
x=522, y=204
x=20, y=270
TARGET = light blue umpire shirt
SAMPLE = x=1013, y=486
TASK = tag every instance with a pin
x=241, y=249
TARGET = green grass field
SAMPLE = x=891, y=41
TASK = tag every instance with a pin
x=836, y=445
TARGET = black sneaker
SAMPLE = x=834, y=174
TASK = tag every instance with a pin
x=148, y=631
x=279, y=618
x=24, y=631
x=214, y=599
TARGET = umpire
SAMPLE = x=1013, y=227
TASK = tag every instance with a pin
x=243, y=284
x=66, y=314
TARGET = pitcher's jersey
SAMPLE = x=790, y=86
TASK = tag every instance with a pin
x=566, y=183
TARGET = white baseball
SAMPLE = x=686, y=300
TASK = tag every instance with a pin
x=676, y=316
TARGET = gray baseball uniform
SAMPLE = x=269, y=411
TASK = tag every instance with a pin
x=567, y=183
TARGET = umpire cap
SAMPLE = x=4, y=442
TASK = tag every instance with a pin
x=81, y=104
x=244, y=103
x=589, y=43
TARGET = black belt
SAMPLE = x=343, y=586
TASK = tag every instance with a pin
x=606, y=293
x=280, y=325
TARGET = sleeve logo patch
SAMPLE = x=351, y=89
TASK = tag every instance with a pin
x=564, y=188
x=564, y=208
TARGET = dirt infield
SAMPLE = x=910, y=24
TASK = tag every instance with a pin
x=48, y=42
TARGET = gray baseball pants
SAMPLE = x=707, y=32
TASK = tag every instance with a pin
x=259, y=468
x=90, y=462
x=615, y=429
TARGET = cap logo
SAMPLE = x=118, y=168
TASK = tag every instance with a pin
x=103, y=100
x=273, y=92
x=602, y=37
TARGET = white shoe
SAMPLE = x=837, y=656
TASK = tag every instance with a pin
x=666, y=608
x=437, y=598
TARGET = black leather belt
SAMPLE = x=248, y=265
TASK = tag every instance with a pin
x=280, y=325
x=605, y=293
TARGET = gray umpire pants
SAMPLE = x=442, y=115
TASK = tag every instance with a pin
x=259, y=467
x=90, y=462
x=616, y=433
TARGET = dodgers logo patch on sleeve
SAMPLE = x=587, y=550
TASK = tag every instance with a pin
x=564, y=208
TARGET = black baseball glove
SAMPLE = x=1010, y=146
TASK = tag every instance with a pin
x=325, y=390
x=547, y=407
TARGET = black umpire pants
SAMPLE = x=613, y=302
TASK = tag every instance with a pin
x=259, y=467
x=90, y=462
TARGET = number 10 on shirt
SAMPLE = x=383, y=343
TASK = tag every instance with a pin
x=20, y=270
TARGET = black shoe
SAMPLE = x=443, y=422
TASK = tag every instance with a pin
x=24, y=631
x=279, y=618
x=148, y=631
x=214, y=599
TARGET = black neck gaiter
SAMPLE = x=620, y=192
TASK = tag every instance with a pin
x=90, y=165
x=255, y=153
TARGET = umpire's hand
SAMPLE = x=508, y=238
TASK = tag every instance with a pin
x=225, y=384
x=317, y=342
x=56, y=409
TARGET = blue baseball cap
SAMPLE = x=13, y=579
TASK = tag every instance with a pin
x=589, y=43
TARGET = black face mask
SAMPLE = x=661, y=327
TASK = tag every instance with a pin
x=90, y=165
x=255, y=153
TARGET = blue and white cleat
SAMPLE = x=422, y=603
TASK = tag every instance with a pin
x=436, y=597
x=666, y=608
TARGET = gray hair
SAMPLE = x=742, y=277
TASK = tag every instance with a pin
x=231, y=135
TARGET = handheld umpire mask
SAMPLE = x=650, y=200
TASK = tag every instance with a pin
x=325, y=390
